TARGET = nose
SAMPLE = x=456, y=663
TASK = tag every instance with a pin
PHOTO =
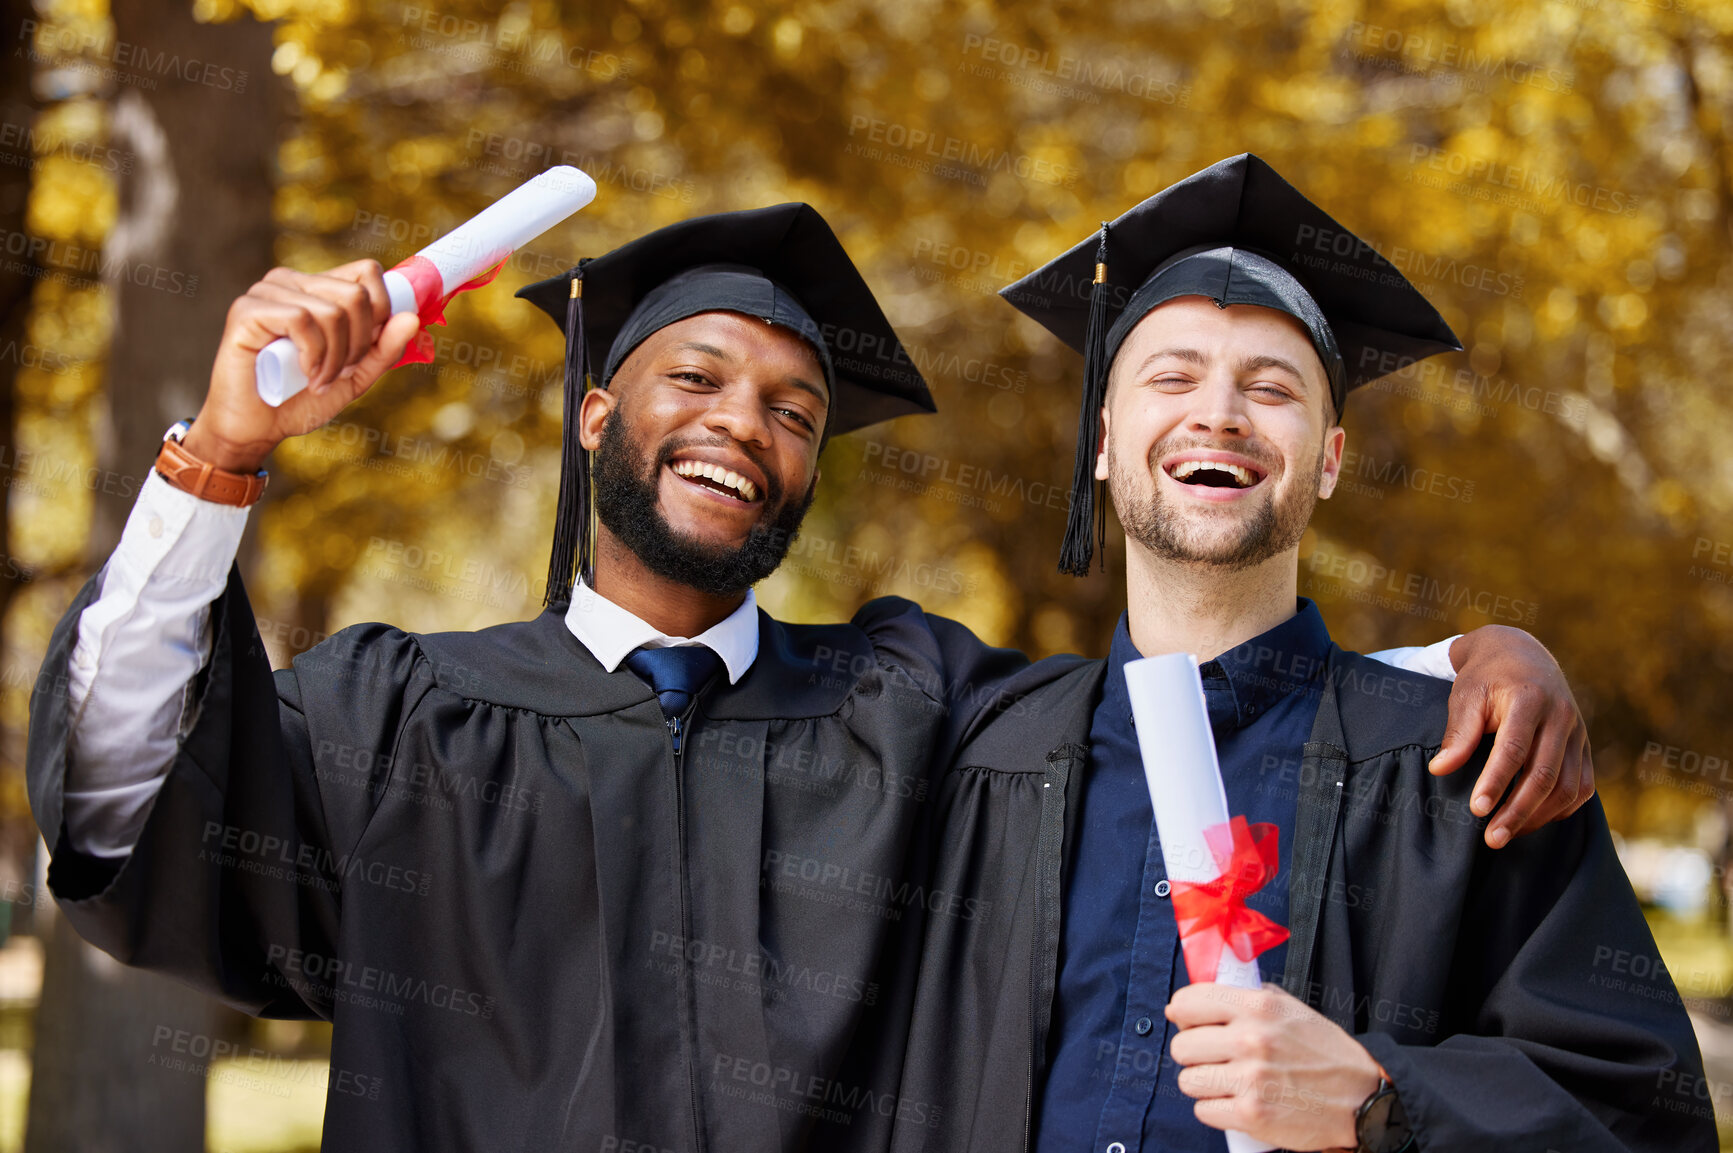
x=737, y=414
x=1219, y=408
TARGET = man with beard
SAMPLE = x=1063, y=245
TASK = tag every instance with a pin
x=1434, y=993
x=646, y=873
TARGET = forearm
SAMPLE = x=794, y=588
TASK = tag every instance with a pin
x=140, y=647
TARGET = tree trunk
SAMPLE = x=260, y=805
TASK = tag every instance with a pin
x=194, y=231
x=18, y=112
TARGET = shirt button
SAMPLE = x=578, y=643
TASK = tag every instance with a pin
x=1162, y=888
x=1116, y=1147
x=1143, y=1026
x=155, y=526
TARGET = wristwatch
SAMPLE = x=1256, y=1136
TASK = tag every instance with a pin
x=201, y=478
x=1380, y=1124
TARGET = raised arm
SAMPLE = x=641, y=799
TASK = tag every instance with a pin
x=143, y=640
x=170, y=773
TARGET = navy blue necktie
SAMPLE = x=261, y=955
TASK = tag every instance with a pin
x=676, y=675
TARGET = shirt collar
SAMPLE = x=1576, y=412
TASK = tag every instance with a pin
x=1254, y=676
x=612, y=634
x=1274, y=665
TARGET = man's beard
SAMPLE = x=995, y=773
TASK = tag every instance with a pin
x=1274, y=526
x=626, y=504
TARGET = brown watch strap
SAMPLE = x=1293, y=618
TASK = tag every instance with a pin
x=206, y=481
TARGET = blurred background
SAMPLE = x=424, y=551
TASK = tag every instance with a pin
x=1554, y=175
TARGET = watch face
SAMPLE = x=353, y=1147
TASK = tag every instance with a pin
x=1382, y=1126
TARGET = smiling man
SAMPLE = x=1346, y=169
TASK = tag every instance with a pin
x=649, y=872
x=1436, y=993
x=644, y=873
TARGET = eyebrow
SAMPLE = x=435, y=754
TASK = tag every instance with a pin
x=1248, y=364
x=709, y=349
x=1254, y=363
x=798, y=382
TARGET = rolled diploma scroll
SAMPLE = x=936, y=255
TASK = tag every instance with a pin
x=460, y=255
x=1185, y=790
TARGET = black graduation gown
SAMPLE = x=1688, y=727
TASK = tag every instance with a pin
x=476, y=855
x=1498, y=988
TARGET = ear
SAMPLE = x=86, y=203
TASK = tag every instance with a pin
x=1101, y=456
x=592, y=413
x=1334, y=439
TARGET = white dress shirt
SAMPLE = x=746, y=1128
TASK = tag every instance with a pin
x=612, y=634
x=143, y=640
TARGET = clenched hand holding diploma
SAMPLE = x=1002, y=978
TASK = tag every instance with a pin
x=307, y=344
x=467, y=257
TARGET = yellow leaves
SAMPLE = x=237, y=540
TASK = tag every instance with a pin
x=288, y=55
x=1591, y=241
x=1672, y=500
x=1537, y=170
x=216, y=11
x=1559, y=312
x=71, y=201
x=1626, y=310
x=786, y=37
x=1055, y=631
x=738, y=20
x=1311, y=98
x=50, y=462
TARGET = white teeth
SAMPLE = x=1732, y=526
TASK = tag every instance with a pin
x=1240, y=474
x=726, y=477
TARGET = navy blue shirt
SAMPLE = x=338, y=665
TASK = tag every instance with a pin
x=1110, y=1081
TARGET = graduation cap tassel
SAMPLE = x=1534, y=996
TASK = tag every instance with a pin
x=1086, y=528
x=574, y=517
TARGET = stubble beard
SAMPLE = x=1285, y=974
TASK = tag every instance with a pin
x=627, y=493
x=1272, y=528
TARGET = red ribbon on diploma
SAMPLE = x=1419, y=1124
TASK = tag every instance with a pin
x=430, y=294
x=1214, y=913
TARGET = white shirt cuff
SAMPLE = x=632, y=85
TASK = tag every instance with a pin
x=1432, y=661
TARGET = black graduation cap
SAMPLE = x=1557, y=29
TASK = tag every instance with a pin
x=781, y=263
x=1239, y=234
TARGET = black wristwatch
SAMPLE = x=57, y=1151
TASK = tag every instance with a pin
x=1380, y=1125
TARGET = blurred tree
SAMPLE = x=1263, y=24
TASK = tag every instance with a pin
x=193, y=231
x=1554, y=178
x=1554, y=175
x=18, y=115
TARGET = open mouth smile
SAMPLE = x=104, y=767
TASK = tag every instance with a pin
x=1215, y=470
x=716, y=478
x=1215, y=474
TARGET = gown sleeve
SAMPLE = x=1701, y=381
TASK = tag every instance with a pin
x=237, y=871
x=1558, y=1025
